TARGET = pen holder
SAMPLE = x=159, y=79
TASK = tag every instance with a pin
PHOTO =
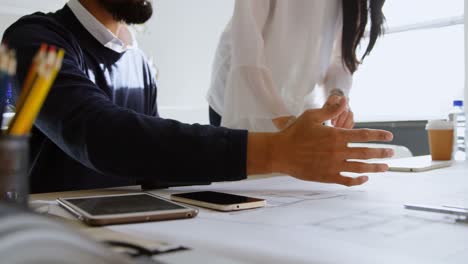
x=14, y=166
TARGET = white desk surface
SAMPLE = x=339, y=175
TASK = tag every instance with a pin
x=317, y=223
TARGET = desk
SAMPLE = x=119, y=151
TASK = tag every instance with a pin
x=316, y=223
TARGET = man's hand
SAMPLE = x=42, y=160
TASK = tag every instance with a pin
x=310, y=151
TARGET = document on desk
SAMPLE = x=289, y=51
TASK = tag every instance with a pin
x=306, y=221
x=292, y=203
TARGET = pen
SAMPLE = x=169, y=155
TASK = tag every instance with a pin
x=458, y=211
x=456, y=207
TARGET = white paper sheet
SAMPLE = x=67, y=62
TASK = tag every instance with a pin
x=307, y=222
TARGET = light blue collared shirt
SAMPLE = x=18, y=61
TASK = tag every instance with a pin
x=124, y=40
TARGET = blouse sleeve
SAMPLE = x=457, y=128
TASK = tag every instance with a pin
x=250, y=94
x=338, y=77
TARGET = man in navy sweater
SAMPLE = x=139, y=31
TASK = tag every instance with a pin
x=100, y=127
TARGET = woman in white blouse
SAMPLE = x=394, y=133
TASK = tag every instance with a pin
x=274, y=53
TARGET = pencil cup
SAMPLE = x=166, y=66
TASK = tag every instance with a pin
x=14, y=165
x=440, y=133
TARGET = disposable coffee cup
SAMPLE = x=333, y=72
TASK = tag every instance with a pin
x=440, y=134
x=14, y=164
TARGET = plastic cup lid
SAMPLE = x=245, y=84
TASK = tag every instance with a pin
x=439, y=125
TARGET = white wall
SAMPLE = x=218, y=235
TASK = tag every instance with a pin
x=11, y=10
x=413, y=75
x=181, y=38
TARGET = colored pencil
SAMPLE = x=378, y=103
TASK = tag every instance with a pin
x=47, y=71
x=31, y=76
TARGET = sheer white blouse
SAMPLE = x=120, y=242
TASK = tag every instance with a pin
x=271, y=56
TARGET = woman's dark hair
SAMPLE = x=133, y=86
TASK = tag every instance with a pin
x=356, y=14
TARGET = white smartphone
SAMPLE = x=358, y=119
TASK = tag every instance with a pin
x=416, y=164
x=219, y=201
x=124, y=208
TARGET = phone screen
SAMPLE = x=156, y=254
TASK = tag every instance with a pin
x=137, y=203
x=217, y=198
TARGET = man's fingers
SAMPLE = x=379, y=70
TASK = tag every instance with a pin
x=334, y=106
x=348, y=181
x=366, y=135
x=369, y=153
x=362, y=167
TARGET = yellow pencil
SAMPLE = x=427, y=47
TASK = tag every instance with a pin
x=31, y=76
x=18, y=123
x=31, y=79
x=47, y=71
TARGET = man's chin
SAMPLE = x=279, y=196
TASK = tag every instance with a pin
x=129, y=11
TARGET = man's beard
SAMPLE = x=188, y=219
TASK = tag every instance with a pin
x=129, y=11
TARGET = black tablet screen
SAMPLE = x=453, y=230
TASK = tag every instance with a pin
x=123, y=204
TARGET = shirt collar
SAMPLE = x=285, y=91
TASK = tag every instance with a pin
x=123, y=41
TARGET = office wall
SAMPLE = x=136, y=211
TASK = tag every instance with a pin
x=181, y=39
x=11, y=10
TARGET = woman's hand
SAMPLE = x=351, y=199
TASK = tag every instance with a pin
x=283, y=122
x=345, y=119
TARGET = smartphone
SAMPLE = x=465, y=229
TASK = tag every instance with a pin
x=417, y=164
x=124, y=208
x=219, y=201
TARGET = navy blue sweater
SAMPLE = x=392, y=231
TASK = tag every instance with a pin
x=99, y=126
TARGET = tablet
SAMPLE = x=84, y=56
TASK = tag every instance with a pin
x=416, y=164
x=124, y=208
